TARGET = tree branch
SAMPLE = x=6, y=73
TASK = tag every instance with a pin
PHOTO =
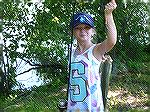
x=28, y=70
x=38, y=66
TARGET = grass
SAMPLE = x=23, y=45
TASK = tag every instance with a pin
x=127, y=93
x=130, y=91
x=39, y=99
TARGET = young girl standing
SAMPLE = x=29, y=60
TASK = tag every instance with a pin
x=84, y=94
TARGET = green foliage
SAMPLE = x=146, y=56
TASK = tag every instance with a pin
x=134, y=67
x=43, y=34
x=132, y=31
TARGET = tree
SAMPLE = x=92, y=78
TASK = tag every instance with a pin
x=42, y=33
x=133, y=34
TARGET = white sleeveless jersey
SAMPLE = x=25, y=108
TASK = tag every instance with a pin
x=84, y=94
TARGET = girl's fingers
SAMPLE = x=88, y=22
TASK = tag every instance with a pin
x=113, y=1
x=110, y=6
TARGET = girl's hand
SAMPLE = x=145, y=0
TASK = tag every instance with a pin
x=109, y=7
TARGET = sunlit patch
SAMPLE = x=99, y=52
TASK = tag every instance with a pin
x=55, y=19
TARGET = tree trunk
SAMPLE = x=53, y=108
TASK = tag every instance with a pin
x=1, y=71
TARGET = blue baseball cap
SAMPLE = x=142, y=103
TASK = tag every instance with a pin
x=82, y=18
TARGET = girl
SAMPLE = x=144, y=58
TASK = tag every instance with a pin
x=84, y=94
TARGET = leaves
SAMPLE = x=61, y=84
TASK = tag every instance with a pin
x=40, y=34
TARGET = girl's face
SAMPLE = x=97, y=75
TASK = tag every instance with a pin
x=83, y=32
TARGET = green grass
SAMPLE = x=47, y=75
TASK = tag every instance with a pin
x=41, y=99
x=133, y=91
x=45, y=98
